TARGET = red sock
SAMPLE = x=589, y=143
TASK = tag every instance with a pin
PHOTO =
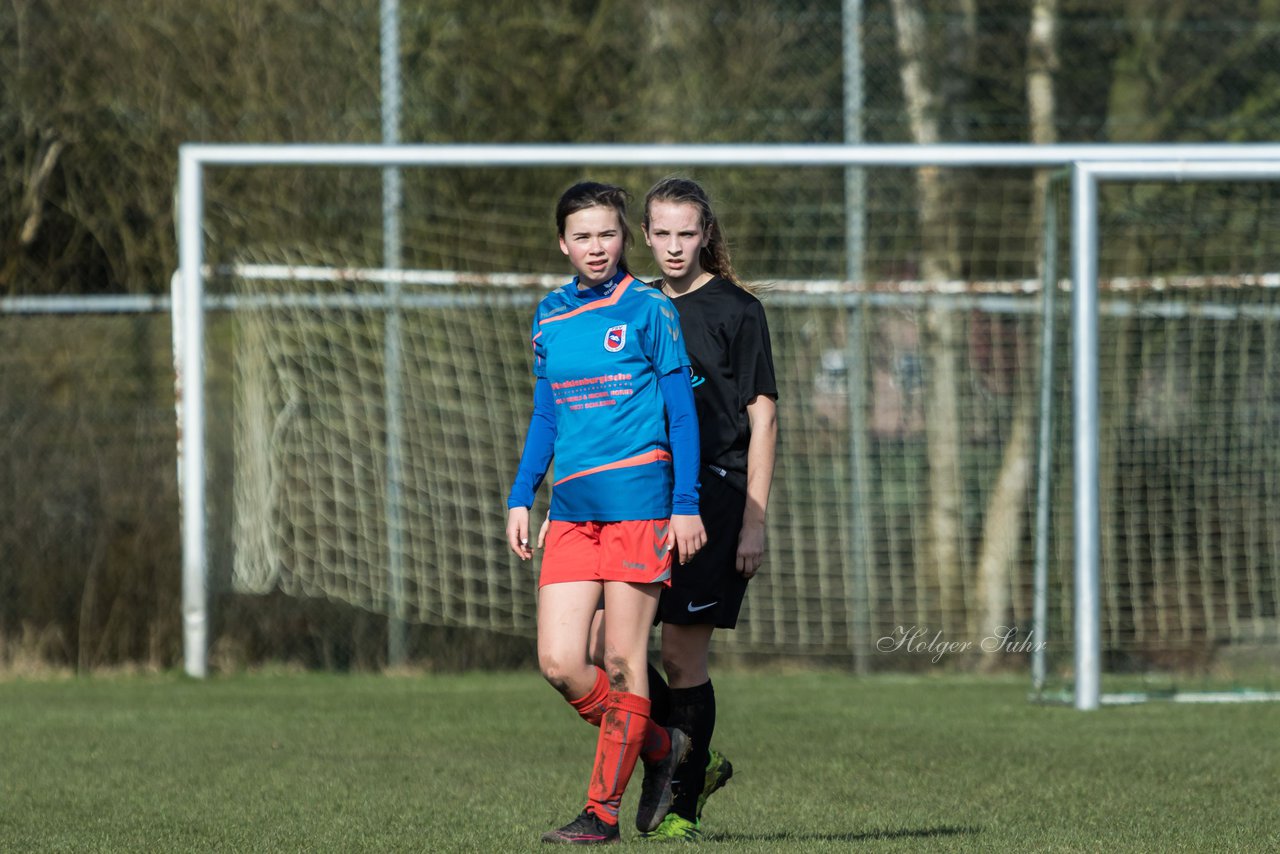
x=657, y=743
x=622, y=732
x=591, y=705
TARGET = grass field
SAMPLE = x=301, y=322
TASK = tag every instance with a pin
x=486, y=762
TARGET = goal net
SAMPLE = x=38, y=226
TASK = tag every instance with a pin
x=364, y=424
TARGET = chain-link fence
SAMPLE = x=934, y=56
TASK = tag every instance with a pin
x=95, y=105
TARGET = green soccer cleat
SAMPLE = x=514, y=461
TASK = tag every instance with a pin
x=675, y=828
x=719, y=770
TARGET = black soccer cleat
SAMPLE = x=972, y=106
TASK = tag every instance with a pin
x=655, y=791
x=586, y=829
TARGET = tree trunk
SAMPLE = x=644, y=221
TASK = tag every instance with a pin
x=1002, y=528
x=939, y=263
x=669, y=58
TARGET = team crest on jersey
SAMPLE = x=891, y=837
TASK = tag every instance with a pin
x=616, y=338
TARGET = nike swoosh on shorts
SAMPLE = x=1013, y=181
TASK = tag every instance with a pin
x=693, y=610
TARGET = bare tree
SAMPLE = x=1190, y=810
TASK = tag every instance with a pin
x=939, y=263
x=1003, y=520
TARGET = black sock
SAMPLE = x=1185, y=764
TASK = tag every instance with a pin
x=659, y=698
x=694, y=711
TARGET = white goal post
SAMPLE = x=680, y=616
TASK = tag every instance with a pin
x=1086, y=177
x=1091, y=165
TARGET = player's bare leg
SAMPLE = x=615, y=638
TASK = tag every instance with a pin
x=686, y=654
x=565, y=612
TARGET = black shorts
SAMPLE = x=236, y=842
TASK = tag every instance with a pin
x=709, y=588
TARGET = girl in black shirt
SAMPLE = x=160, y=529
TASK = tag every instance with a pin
x=735, y=391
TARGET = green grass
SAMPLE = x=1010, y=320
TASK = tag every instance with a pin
x=486, y=762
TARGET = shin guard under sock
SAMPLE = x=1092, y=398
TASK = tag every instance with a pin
x=622, y=732
x=590, y=706
x=694, y=711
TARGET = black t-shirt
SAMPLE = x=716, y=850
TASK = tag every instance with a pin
x=732, y=362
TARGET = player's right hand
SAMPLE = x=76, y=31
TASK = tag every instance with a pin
x=685, y=536
x=518, y=532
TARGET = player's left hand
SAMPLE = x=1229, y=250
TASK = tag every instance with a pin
x=686, y=535
x=750, y=550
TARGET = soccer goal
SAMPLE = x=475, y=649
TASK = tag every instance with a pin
x=349, y=429
x=1189, y=468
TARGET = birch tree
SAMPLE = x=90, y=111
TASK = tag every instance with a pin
x=1004, y=518
x=939, y=262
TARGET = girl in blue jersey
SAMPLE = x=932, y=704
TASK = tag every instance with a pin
x=735, y=390
x=613, y=405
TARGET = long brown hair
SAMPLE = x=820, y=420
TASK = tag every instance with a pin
x=714, y=257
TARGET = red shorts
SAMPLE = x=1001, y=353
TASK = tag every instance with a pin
x=633, y=551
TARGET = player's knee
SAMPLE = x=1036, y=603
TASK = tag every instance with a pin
x=679, y=657
x=618, y=669
x=554, y=671
x=674, y=666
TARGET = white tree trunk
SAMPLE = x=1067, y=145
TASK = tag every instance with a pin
x=1004, y=517
x=938, y=263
